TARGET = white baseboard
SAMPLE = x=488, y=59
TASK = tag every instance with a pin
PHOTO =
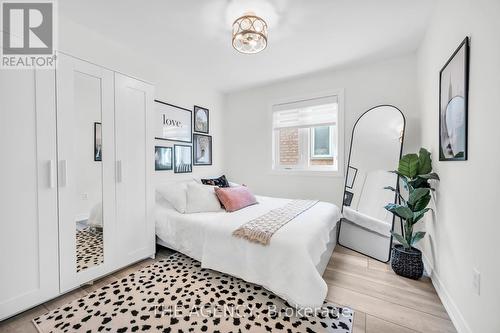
x=455, y=315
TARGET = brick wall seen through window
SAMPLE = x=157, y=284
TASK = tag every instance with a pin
x=289, y=146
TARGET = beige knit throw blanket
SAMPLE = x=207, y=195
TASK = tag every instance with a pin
x=261, y=229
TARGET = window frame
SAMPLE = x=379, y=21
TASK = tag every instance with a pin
x=304, y=169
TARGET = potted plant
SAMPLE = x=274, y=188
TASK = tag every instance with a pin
x=415, y=171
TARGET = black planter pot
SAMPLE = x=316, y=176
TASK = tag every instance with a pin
x=407, y=263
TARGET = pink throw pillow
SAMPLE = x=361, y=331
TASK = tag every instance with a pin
x=235, y=198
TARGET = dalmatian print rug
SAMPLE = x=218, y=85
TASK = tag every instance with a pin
x=89, y=248
x=177, y=295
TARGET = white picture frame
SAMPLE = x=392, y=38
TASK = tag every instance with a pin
x=351, y=176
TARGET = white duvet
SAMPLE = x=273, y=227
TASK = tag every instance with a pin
x=288, y=266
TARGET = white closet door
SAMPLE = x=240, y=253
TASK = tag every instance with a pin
x=28, y=191
x=135, y=166
x=85, y=136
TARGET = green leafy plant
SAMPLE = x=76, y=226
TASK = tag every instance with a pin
x=415, y=171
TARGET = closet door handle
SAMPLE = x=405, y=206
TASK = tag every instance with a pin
x=118, y=171
x=63, y=173
x=52, y=178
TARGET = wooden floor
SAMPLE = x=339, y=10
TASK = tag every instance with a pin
x=383, y=302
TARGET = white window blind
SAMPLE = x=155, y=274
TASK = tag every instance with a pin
x=306, y=113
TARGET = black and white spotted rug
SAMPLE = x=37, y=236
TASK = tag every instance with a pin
x=89, y=248
x=177, y=295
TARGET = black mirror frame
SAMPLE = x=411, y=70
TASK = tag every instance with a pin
x=397, y=182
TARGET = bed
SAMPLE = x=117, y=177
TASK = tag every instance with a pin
x=292, y=264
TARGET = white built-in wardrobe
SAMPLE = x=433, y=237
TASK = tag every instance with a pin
x=76, y=194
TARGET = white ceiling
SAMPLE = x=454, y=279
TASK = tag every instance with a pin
x=304, y=35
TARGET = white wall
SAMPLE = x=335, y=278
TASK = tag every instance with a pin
x=173, y=85
x=247, y=123
x=465, y=231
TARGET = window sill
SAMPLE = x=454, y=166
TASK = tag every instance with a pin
x=307, y=173
x=322, y=157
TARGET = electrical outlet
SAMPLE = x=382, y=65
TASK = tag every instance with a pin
x=476, y=281
x=85, y=196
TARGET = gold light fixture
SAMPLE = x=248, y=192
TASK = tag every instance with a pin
x=249, y=34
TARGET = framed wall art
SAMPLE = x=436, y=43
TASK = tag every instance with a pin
x=348, y=198
x=201, y=119
x=97, y=142
x=202, y=149
x=453, y=105
x=172, y=122
x=163, y=158
x=183, y=159
x=351, y=176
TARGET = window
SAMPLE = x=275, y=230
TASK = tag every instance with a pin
x=306, y=135
x=321, y=142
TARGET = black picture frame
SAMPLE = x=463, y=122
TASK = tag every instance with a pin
x=446, y=149
x=180, y=109
x=160, y=150
x=196, y=149
x=348, y=198
x=97, y=142
x=186, y=167
x=197, y=109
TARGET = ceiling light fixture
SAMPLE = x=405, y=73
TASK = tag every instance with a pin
x=249, y=34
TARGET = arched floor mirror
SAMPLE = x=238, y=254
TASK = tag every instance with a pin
x=376, y=147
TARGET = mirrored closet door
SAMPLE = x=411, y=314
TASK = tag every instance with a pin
x=85, y=123
x=376, y=146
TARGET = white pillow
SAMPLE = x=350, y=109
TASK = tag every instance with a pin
x=201, y=198
x=175, y=194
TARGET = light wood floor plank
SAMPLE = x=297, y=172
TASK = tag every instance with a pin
x=22, y=322
x=381, y=266
x=340, y=263
x=388, y=311
x=428, y=303
x=348, y=259
x=377, y=325
x=359, y=322
x=345, y=250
